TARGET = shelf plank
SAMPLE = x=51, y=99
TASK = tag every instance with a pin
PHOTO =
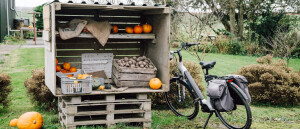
x=128, y=90
x=120, y=36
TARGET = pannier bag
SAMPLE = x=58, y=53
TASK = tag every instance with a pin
x=218, y=91
x=241, y=81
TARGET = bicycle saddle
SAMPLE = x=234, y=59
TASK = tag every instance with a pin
x=207, y=65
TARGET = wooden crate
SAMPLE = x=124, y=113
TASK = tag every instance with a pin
x=132, y=77
x=105, y=110
x=154, y=45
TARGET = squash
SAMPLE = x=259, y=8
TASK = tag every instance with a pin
x=73, y=69
x=147, y=28
x=101, y=87
x=66, y=66
x=13, y=122
x=63, y=71
x=96, y=82
x=129, y=30
x=115, y=29
x=58, y=68
x=30, y=120
x=138, y=29
x=155, y=83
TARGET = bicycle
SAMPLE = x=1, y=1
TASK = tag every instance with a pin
x=189, y=95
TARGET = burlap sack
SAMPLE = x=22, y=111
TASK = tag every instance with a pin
x=100, y=30
x=74, y=29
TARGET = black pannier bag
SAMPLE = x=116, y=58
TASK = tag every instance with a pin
x=241, y=81
x=218, y=91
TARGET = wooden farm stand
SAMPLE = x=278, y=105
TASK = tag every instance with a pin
x=106, y=107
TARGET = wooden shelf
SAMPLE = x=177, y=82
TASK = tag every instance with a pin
x=120, y=36
x=128, y=90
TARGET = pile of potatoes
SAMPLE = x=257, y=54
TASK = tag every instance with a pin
x=136, y=62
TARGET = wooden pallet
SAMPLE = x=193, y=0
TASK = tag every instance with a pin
x=108, y=111
x=105, y=98
x=105, y=108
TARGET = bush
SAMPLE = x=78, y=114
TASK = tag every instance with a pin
x=5, y=89
x=39, y=93
x=229, y=45
x=195, y=71
x=272, y=82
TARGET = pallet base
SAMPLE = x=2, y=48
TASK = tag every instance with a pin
x=105, y=110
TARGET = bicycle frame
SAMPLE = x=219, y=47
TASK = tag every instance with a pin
x=190, y=81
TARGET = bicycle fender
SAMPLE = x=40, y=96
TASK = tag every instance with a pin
x=233, y=85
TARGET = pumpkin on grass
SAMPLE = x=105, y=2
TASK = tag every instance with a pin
x=138, y=29
x=155, y=83
x=29, y=120
x=13, y=122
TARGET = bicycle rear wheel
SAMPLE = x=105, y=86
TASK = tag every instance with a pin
x=241, y=118
x=186, y=107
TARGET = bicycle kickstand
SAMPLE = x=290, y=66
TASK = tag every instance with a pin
x=211, y=113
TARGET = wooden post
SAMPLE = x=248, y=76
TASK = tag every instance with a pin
x=34, y=29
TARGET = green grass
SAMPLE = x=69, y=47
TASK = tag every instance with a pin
x=22, y=61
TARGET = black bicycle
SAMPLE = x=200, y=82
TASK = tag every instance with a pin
x=188, y=97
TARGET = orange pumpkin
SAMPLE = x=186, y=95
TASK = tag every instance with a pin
x=138, y=29
x=30, y=120
x=56, y=61
x=129, y=30
x=115, y=29
x=101, y=87
x=147, y=28
x=70, y=75
x=66, y=66
x=155, y=83
x=58, y=68
x=73, y=69
x=13, y=122
x=63, y=71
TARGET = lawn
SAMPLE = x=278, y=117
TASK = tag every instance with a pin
x=22, y=61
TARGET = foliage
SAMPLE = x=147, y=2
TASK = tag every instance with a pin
x=39, y=23
x=13, y=40
x=195, y=71
x=272, y=82
x=5, y=89
x=39, y=92
x=283, y=44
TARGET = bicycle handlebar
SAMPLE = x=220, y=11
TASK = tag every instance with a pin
x=184, y=46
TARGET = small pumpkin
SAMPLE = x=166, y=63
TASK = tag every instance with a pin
x=129, y=30
x=73, y=69
x=155, y=83
x=101, y=87
x=13, y=122
x=115, y=29
x=63, y=71
x=30, y=120
x=138, y=29
x=147, y=28
x=67, y=66
x=58, y=68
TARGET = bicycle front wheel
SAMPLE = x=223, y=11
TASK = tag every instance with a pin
x=241, y=118
x=181, y=100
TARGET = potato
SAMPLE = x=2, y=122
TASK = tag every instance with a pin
x=137, y=64
x=133, y=61
x=126, y=58
x=130, y=62
x=142, y=66
x=144, y=63
x=132, y=66
x=134, y=58
x=119, y=61
x=151, y=66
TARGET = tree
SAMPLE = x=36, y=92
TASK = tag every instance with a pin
x=39, y=18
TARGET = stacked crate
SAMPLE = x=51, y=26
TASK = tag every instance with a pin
x=104, y=110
